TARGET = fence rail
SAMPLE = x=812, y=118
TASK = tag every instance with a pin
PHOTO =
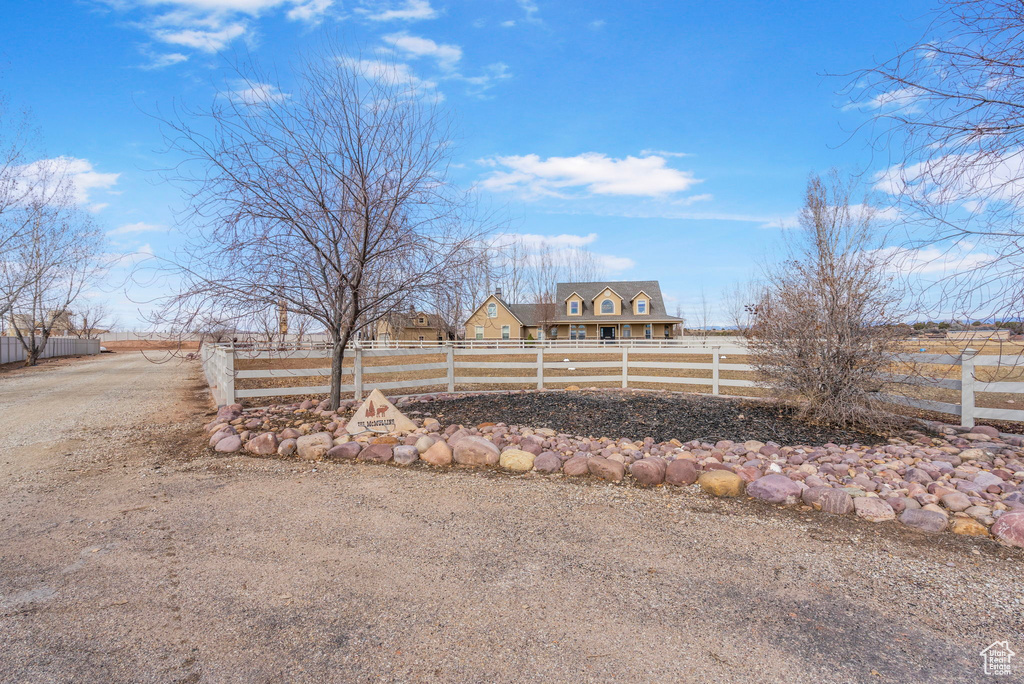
x=461, y=366
x=11, y=349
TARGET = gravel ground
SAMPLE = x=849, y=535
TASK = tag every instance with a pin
x=131, y=555
x=633, y=415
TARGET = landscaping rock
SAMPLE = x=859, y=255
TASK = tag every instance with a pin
x=649, y=471
x=314, y=447
x=475, y=451
x=344, y=452
x=924, y=521
x=378, y=453
x=406, y=454
x=835, y=501
x=424, y=443
x=576, y=466
x=968, y=526
x=1009, y=528
x=721, y=483
x=262, y=445
x=812, y=495
x=516, y=460
x=438, y=454
x=229, y=444
x=873, y=509
x=286, y=448
x=547, y=462
x=955, y=501
x=777, y=489
x=606, y=469
x=681, y=471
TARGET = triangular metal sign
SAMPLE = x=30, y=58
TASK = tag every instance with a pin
x=377, y=414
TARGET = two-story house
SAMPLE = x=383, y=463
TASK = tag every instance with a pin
x=414, y=326
x=598, y=310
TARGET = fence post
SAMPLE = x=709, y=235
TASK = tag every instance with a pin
x=357, y=364
x=715, y=351
x=229, y=376
x=625, y=367
x=451, y=369
x=540, y=368
x=967, y=387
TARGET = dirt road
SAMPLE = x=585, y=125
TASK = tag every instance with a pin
x=131, y=555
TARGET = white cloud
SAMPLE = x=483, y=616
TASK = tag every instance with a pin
x=564, y=248
x=590, y=173
x=133, y=228
x=935, y=260
x=203, y=40
x=161, y=60
x=533, y=241
x=531, y=9
x=395, y=73
x=410, y=10
x=447, y=56
x=597, y=24
x=256, y=93
x=904, y=99
x=663, y=153
x=80, y=172
x=143, y=253
x=509, y=23
x=310, y=12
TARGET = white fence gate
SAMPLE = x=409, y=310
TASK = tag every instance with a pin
x=11, y=349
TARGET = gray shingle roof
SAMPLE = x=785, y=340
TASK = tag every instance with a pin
x=628, y=289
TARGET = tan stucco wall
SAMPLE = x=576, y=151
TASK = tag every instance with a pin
x=608, y=293
x=492, y=326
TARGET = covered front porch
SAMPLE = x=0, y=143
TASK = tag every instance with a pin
x=608, y=331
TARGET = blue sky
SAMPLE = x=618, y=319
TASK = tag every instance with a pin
x=670, y=138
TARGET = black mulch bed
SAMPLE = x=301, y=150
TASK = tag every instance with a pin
x=636, y=416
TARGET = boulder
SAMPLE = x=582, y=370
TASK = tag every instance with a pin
x=721, y=483
x=681, y=471
x=424, y=443
x=286, y=447
x=406, y=454
x=517, y=460
x=968, y=526
x=315, y=446
x=649, y=471
x=575, y=466
x=835, y=501
x=777, y=489
x=229, y=444
x=1009, y=528
x=873, y=509
x=262, y=445
x=289, y=433
x=955, y=501
x=547, y=462
x=439, y=454
x=378, y=453
x=812, y=495
x=606, y=469
x=475, y=451
x=923, y=520
x=344, y=452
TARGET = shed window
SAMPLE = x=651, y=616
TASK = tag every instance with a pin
x=607, y=306
x=479, y=332
x=506, y=332
x=492, y=310
x=574, y=308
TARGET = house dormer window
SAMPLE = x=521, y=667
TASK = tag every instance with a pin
x=574, y=308
x=492, y=310
x=641, y=306
x=423, y=321
x=607, y=307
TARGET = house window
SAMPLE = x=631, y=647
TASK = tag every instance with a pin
x=627, y=331
x=554, y=331
x=577, y=332
x=421, y=338
x=423, y=321
x=479, y=332
x=668, y=331
x=574, y=308
x=506, y=332
x=647, y=331
x=641, y=306
x=607, y=307
x=492, y=310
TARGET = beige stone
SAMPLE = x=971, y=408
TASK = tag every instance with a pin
x=517, y=460
x=721, y=483
x=439, y=454
x=969, y=526
x=379, y=415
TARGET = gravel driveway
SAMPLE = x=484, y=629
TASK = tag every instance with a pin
x=130, y=555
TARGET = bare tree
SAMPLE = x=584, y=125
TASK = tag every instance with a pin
x=58, y=256
x=740, y=303
x=90, y=319
x=952, y=107
x=330, y=195
x=823, y=330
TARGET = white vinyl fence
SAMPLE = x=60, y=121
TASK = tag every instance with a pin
x=11, y=349
x=460, y=368
x=631, y=366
